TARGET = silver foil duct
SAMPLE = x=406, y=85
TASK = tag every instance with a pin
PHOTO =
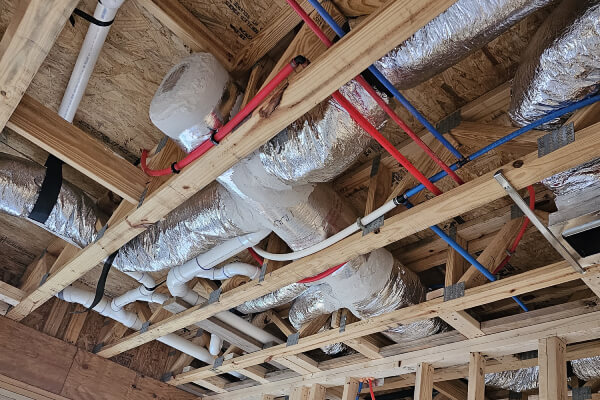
x=464, y=27
x=273, y=299
x=575, y=179
x=518, y=380
x=587, y=368
x=74, y=216
x=561, y=65
x=368, y=286
x=324, y=142
x=205, y=220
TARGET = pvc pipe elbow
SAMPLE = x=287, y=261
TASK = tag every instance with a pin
x=216, y=343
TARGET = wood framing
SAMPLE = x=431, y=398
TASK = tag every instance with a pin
x=34, y=27
x=553, y=368
x=395, y=22
x=450, y=204
x=476, y=390
x=48, y=130
x=424, y=382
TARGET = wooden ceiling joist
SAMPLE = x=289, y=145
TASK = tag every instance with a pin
x=34, y=27
x=46, y=129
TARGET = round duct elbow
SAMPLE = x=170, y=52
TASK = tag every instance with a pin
x=192, y=99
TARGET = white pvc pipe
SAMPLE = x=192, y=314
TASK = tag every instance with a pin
x=229, y=271
x=215, y=345
x=367, y=219
x=88, y=56
x=140, y=293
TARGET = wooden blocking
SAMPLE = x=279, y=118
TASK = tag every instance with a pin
x=493, y=254
x=592, y=279
x=553, y=368
x=366, y=346
x=463, y=322
x=35, y=272
x=380, y=185
x=456, y=265
x=350, y=389
x=54, y=320
x=33, y=29
x=314, y=326
x=424, y=382
x=256, y=373
x=75, y=324
x=268, y=397
x=453, y=390
x=300, y=393
x=476, y=389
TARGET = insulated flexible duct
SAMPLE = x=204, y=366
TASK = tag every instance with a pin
x=74, y=216
x=561, y=64
x=518, y=380
x=464, y=27
x=587, y=368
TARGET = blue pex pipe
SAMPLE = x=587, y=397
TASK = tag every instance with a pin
x=360, y=385
x=388, y=85
x=465, y=254
x=547, y=118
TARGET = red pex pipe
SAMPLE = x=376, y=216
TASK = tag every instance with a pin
x=319, y=32
x=228, y=127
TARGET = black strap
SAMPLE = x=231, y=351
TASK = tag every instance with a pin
x=152, y=289
x=49, y=190
x=102, y=281
x=213, y=139
x=174, y=168
x=89, y=18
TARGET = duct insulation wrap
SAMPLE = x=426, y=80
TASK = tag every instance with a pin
x=195, y=97
x=464, y=27
x=324, y=142
x=587, y=368
x=561, y=65
x=74, y=216
x=575, y=179
x=368, y=286
x=518, y=380
x=205, y=220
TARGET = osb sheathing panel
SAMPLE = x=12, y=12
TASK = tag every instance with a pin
x=138, y=52
x=235, y=22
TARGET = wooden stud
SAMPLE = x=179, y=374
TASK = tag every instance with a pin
x=476, y=390
x=188, y=28
x=456, y=265
x=350, y=389
x=46, y=129
x=33, y=29
x=424, y=382
x=317, y=392
x=553, y=369
x=300, y=393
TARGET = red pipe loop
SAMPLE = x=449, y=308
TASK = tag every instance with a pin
x=322, y=275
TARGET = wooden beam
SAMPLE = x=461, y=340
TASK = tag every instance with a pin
x=529, y=281
x=476, y=390
x=33, y=29
x=317, y=392
x=350, y=389
x=454, y=389
x=424, y=382
x=473, y=194
x=54, y=319
x=75, y=325
x=463, y=322
x=256, y=373
x=188, y=28
x=477, y=135
x=592, y=280
x=46, y=129
x=553, y=369
x=456, y=265
x=365, y=346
